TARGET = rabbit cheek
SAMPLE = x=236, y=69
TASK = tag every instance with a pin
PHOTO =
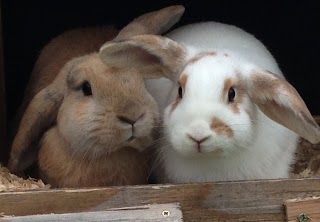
x=221, y=128
x=74, y=122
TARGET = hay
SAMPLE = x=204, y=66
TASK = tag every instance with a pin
x=307, y=162
x=10, y=182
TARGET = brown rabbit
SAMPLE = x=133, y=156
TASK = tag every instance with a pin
x=87, y=124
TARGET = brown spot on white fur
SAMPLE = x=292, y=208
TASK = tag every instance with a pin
x=235, y=108
x=274, y=85
x=183, y=81
x=220, y=127
x=226, y=86
x=239, y=89
x=199, y=56
x=174, y=104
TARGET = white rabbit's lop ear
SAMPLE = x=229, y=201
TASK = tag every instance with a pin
x=156, y=22
x=39, y=116
x=154, y=56
x=281, y=102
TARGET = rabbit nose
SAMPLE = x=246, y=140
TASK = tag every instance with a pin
x=126, y=120
x=129, y=121
x=199, y=140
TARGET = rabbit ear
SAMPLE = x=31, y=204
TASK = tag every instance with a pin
x=156, y=22
x=154, y=56
x=281, y=102
x=39, y=116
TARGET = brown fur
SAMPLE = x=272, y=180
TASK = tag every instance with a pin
x=221, y=128
x=174, y=104
x=60, y=168
x=233, y=82
x=183, y=81
x=85, y=133
x=199, y=56
x=269, y=92
x=148, y=53
x=153, y=22
x=77, y=42
x=228, y=83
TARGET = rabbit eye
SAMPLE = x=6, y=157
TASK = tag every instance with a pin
x=180, y=92
x=231, y=95
x=86, y=89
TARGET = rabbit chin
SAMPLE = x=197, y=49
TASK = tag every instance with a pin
x=140, y=143
x=191, y=151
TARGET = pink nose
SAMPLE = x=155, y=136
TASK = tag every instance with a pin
x=199, y=141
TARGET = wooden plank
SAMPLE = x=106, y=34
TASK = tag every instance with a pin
x=308, y=207
x=221, y=201
x=153, y=213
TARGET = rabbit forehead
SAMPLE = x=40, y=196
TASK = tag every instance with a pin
x=207, y=77
x=101, y=76
x=85, y=68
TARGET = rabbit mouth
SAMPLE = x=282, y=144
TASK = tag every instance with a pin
x=216, y=152
x=131, y=138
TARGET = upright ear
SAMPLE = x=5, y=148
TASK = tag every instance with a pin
x=281, y=102
x=154, y=56
x=156, y=22
x=39, y=116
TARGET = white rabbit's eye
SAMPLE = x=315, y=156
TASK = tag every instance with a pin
x=180, y=92
x=86, y=89
x=231, y=95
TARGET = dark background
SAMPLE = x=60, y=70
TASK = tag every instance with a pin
x=287, y=28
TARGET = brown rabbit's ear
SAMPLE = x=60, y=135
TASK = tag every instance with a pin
x=281, y=102
x=156, y=22
x=39, y=116
x=154, y=56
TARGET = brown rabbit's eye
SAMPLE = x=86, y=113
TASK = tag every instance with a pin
x=180, y=92
x=86, y=89
x=231, y=94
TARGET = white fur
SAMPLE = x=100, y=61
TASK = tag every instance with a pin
x=259, y=149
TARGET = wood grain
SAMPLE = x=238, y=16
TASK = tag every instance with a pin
x=146, y=213
x=307, y=206
x=221, y=201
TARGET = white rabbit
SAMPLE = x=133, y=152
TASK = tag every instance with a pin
x=229, y=113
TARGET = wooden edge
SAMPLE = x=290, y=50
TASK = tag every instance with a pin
x=307, y=208
x=260, y=200
x=154, y=212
